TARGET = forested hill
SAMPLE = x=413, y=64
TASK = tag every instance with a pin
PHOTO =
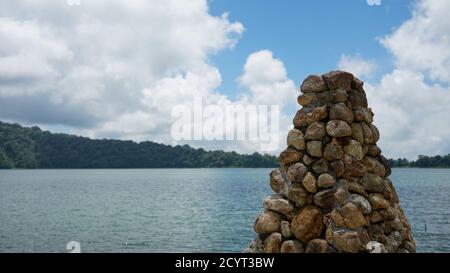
x=22, y=147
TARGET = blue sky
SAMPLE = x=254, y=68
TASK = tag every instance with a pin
x=117, y=69
x=308, y=36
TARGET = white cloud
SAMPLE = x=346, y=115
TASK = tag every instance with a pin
x=422, y=43
x=411, y=112
x=267, y=80
x=356, y=64
x=112, y=68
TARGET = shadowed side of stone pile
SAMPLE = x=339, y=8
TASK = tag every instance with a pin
x=332, y=190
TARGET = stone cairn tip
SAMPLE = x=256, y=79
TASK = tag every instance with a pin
x=332, y=191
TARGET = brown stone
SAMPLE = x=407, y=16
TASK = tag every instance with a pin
x=341, y=196
x=317, y=246
x=361, y=203
x=338, y=128
x=315, y=131
x=368, y=135
x=325, y=198
x=353, y=218
x=357, y=99
x=377, y=201
x=314, y=148
x=357, y=132
x=313, y=84
x=340, y=111
x=272, y=243
x=300, y=117
x=318, y=114
x=320, y=166
x=286, y=229
x=357, y=84
x=296, y=172
x=309, y=182
x=296, y=139
x=307, y=159
x=377, y=216
x=374, y=150
x=299, y=195
x=353, y=167
x=338, y=80
x=355, y=149
x=346, y=241
x=267, y=222
x=339, y=96
x=375, y=133
x=362, y=114
x=307, y=99
x=292, y=246
x=289, y=156
x=374, y=166
x=333, y=151
x=278, y=184
x=337, y=218
x=372, y=183
x=278, y=204
x=325, y=180
x=338, y=168
x=307, y=225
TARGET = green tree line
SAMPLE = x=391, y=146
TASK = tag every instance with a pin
x=22, y=147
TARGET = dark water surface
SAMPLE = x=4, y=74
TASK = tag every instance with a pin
x=174, y=210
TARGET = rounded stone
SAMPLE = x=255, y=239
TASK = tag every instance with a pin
x=320, y=166
x=313, y=84
x=357, y=132
x=317, y=246
x=355, y=149
x=353, y=218
x=299, y=195
x=309, y=182
x=340, y=111
x=357, y=99
x=296, y=139
x=267, y=222
x=374, y=166
x=307, y=225
x=296, y=172
x=377, y=201
x=372, y=183
x=362, y=114
x=307, y=159
x=338, y=168
x=292, y=246
x=286, y=229
x=315, y=131
x=314, y=148
x=333, y=152
x=338, y=128
x=272, y=244
x=325, y=180
x=373, y=150
x=318, y=114
x=368, y=135
x=346, y=241
x=278, y=204
x=307, y=99
x=278, y=183
x=325, y=199
x=338, y=80
x=289, y=156
x=361, y=203
x=353, y=167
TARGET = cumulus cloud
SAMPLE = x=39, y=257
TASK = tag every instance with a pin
x=116, y=69
x=412, y=103
x=422, y=43
x=358, y=65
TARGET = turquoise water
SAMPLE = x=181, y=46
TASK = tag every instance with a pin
x=174, y=210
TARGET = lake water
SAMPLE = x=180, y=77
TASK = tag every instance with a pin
x=174, y=210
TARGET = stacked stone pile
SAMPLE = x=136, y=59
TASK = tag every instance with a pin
x=332, y=191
